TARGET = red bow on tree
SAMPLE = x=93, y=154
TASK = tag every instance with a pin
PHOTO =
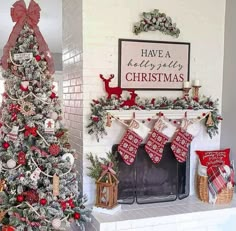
x=21, y=15
x=30, y=131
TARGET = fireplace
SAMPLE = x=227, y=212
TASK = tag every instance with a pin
x=146, y=182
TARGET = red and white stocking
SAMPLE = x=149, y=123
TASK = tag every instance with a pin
x=131, y=140
x=181, y=142
x=156, y=141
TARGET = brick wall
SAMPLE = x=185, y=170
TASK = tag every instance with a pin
x=72, y=75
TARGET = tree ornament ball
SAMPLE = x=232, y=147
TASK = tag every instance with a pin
x=11, y=163
x=53, y=95
x=54, y=115
x=54, y=149
x=43, y=201
x=5, y=145
x=77, y=216
x=68, y=156
x=8, y=228
x=56, y=223
x=20, y=198
x=38, y=58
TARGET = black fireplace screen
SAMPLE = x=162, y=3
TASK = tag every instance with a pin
x=146, y=182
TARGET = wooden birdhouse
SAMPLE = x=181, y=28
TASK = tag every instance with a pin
x=107, y=191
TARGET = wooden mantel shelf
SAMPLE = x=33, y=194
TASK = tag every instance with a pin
x=170, y=114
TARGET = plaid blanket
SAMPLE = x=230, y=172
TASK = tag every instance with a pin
x=218, y=179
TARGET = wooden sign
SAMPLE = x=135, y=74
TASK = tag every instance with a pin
x=152, y=65
x=23, y=56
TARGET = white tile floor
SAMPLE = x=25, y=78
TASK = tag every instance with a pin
x=180, y=215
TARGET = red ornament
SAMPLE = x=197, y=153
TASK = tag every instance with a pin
x=130, y=102
x=8, y=228
x=21, y=158
x=77, y=216
x=31, y=196
x=95, y=118
x=63, y=205
x=54, y=149
x=43, y=201
x=71, y=203
x=53, y=95
x=111, y=90
x=20, y=198
x=38, y=58
x=5, y=145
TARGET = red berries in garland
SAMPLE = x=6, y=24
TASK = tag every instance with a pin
x=43, y=201
x=5, y=145
x=20, y=198
x=77, y=216
x=38, y=58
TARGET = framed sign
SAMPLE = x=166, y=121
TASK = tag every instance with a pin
x=153, y=65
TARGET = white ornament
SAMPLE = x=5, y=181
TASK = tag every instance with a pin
x=56, y=223
x=35, y=175
x=68, y=156
x=11, y=163
x=12, y=135
x=54, y=115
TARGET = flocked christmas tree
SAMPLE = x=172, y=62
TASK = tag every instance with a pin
x=38, y=182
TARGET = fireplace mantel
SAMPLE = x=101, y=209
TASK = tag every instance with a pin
x=170, y=114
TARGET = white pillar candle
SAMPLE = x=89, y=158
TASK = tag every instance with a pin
x=196, y=82
x=187, y=84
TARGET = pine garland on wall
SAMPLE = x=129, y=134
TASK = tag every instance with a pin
x=98, y=117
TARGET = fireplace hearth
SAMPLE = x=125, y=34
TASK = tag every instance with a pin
x=146, y=182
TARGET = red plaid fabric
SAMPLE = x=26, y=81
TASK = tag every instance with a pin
x=128, y=146
x=180, y=145
x=155, y=145
x=218, y=179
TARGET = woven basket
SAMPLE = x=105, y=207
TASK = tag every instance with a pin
x=224, y=197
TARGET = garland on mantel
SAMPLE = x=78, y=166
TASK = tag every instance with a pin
x=97, y=120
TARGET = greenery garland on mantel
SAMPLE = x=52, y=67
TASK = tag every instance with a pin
x=98, y=117
x=156, y=20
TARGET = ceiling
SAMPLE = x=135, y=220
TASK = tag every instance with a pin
x=50, y=23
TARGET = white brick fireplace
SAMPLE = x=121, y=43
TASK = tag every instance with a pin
x=90, y=47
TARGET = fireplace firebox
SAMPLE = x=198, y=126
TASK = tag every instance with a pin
x=146, y=182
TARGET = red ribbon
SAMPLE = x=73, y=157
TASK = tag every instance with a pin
x=30, y=131
x=21, y=15
x=107, y=168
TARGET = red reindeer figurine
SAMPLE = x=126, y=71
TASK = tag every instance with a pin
x=111, y=90
x=130, y=102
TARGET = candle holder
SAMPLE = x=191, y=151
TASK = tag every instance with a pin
x=196, y=92
x=186, y=91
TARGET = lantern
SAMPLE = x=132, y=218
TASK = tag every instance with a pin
x=107, y=191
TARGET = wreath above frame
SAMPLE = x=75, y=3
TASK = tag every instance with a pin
x=98, y=116
x=156, y=20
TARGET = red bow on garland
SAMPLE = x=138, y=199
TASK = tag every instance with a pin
x=21, y=15
x=30, y=131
